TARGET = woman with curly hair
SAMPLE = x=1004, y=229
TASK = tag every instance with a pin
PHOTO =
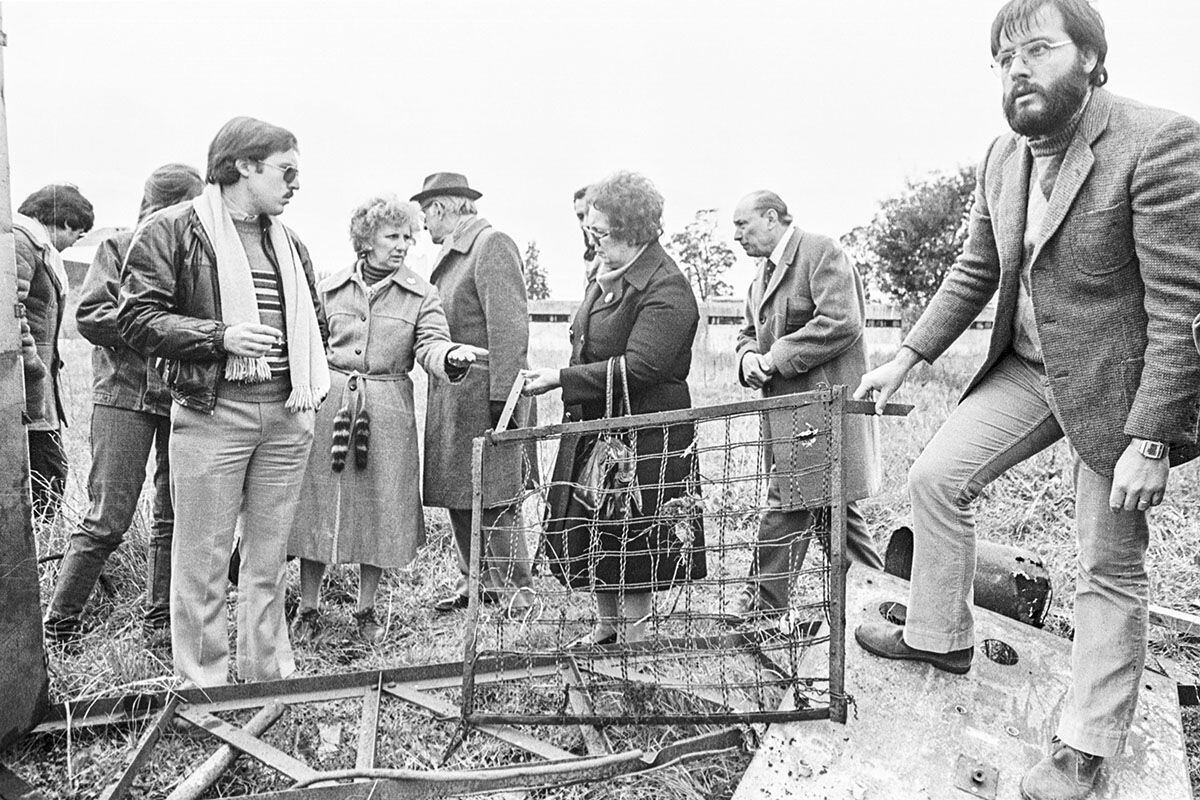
x=640, y=314
x=361, y=501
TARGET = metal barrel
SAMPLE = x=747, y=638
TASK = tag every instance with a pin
x=1008, y=580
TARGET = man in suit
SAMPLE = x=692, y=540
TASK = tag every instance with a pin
x=479, y=276
x=1087, y=221
x=589, y=247
x=804, y=329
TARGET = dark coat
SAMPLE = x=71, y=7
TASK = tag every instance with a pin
x=1115, y=282
x=810, y=318
x=121, y=376
x=170, y=303
x=43, y=298
x=482, y=285
x=650, y=319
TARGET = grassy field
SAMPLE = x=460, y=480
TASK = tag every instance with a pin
x=1031, y=507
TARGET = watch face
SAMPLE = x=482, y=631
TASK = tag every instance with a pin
x=1152, y=449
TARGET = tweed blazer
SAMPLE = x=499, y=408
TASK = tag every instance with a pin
x=810, y=317
x=482, y=285
x=1115, y=279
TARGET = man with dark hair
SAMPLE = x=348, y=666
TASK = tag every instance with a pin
x=805, y=318
x=130, y=414
x=48, y=221
x=1087, y=222
x=226, y=296
x=479, y=277
x=589, y=246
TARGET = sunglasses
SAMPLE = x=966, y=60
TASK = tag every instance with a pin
x=290, y=173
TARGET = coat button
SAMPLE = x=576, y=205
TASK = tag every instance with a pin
x=358, y=351
x=363, y=317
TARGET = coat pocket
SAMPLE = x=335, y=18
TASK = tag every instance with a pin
x=797, y=312
x=1100, y=242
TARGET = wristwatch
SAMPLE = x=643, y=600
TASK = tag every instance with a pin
x=1152, y=450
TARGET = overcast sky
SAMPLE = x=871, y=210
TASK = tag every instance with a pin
x=832, y=105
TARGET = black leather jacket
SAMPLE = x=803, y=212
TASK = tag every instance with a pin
x=121, y=376
x=170, y=303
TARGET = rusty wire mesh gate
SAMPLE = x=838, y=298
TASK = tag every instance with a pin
x=658, y=569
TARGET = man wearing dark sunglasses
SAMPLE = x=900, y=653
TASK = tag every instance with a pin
x=226, y=297
x=1086, y=226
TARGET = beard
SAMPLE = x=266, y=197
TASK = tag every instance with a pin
x=1060, y=101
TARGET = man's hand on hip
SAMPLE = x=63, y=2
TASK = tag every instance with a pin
x=1138, y=482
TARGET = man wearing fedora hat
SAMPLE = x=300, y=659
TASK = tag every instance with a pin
x=479, y=276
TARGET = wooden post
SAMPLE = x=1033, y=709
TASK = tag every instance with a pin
x=23, y=681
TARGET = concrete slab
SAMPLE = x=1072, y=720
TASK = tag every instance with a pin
x=914, y=731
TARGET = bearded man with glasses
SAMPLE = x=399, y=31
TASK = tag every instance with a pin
x=1086, y=222
x=226, y=296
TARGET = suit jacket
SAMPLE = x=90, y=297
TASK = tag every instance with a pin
x=1115, y=282
x=482, y=285
x=810, y=317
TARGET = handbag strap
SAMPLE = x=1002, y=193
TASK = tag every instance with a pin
x=616, y=364
x=625, y=387
x=608, y=390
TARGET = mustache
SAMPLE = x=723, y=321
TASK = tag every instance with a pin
x=1023, y=88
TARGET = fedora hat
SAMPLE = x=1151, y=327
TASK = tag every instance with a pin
x=446, y=183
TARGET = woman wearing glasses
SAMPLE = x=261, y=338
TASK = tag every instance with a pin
x=361, y=501
x=640, y=308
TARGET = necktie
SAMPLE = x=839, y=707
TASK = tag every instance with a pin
x=768, y=270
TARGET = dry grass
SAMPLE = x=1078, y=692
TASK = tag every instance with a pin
x=1030, y=506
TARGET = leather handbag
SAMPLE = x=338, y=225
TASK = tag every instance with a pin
x=606, y=484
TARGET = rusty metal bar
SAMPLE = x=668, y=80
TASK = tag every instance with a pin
x=368, y=726
x=837, y=564
x=637, y=676
x=250, y=745
x=707, y=718
x=411, y=784
x=1187, y=624
x=474, y=590
x=594, y=738
x=498, y=676
x=145, y=746
x=199, y=782
x=446, y=712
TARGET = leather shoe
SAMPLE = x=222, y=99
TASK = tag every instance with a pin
x=457, y=602
x=1065, y=774
x=887, y=641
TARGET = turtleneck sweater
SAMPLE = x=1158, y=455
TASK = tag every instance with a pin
x=1048, y=152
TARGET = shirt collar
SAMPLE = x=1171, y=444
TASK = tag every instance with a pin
x=777, y=253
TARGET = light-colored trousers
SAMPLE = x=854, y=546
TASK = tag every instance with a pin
x=247, y=459
x=1005, y=420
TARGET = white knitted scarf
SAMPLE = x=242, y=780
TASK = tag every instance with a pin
x=306, y=351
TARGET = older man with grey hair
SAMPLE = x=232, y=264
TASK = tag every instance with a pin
x=479, y=275
x=805, y=319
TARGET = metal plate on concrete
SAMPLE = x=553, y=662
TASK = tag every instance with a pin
x=912, y=727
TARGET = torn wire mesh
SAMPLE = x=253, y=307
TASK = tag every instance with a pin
x=659, y=594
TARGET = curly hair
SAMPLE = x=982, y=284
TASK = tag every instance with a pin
x=384, y=209
x=59, y=204
x=1081, y=21
x=633, y=206
x=248, y=138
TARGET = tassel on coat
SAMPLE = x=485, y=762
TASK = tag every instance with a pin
x=362, y=438
x=339, y=447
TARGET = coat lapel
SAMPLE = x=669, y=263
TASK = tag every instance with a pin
x=459, y=242
x=579, y=327
x=1012, y=208
x=1077, y=165
x=789, y=255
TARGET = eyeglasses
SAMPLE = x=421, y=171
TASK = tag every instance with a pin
x=598, y=233
x=290, y=173
x=1032, y=53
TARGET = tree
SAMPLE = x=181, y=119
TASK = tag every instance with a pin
x=914, y=238
x=703, y=257
x=536, y=287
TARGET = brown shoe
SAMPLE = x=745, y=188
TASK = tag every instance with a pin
x=887, y=641
x=1065, y=774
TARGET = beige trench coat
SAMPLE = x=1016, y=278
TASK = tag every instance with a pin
x=373, y=515
x=811, y=317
